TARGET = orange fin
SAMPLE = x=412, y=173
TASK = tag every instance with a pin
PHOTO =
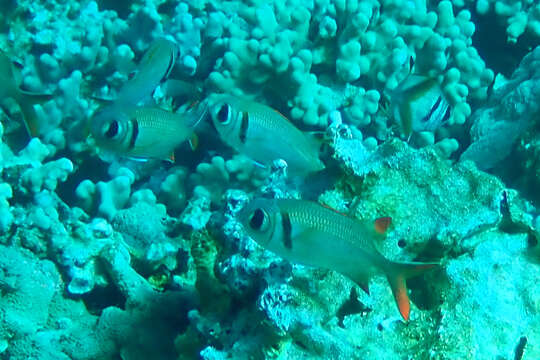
x=171, y=157
x=399, y=289
x=382, y=224
x=396, y=277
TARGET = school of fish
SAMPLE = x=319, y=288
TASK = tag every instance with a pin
x=300, y=231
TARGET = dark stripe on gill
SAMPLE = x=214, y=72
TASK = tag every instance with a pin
x=134, y=133
x=433, y=109
x=287, y=229
x=244, y=127
x=172, y=59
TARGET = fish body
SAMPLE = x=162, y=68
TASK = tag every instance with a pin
x=9, y=88
x=154, y=67
x=143, y=132
x=263, y=134
x=418, y=104
x=308, y=233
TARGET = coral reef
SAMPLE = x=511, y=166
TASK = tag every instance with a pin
x=104, y=257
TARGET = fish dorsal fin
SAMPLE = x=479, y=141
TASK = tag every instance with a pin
x=334, y=210
x=382, y=224
x=102, y=101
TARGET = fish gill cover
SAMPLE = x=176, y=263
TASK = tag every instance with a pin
x=122, y=180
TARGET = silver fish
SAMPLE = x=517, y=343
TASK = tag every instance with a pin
x=154, y=67
x=144, y=132
x=418, y=104
x=263, y=134
x=307, y=233
x=10, y=81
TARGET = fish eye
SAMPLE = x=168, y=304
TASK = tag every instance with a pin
x=112, y=130
x=223, y=114
x=259, y=220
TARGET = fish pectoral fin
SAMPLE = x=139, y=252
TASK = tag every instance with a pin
x=193, y=142
x=396, y=274
x=382, y=224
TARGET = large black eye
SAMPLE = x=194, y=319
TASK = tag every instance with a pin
x=112, y=131
x=258, y=220
x=224, y=114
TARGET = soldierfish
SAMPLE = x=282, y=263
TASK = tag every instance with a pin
x=263, y=134
x=9, y=88
x=418, y=104
x=154, y=67
x=143, y=132
x=308, y=233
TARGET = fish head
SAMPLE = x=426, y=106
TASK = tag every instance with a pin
x=225, y=117
x=259, y=217
x=111, y=129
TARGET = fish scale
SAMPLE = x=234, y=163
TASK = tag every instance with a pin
x=313, y=215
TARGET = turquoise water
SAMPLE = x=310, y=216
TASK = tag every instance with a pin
x=134, y=137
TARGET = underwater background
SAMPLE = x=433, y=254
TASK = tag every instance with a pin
x=425, y=112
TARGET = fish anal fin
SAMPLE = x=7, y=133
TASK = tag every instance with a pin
x=360, y=278
x=399, y=289
x=382, y=224
x=364, y=286
x=397, y=274
x=405, y=115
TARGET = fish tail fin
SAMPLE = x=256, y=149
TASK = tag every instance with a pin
x=26, y=102
x=396, y=274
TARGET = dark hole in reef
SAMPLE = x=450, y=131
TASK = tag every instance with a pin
x=350, y=307
x=168, y=7
x=94, y=170
x=490, y=40
x=532, y=240
x=102, y=297
x=122, y=7
x=423, y=296
x=6, y=9
x=8, y=6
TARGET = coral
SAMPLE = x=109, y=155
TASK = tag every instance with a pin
x=457, y=200
x=106, y=198
x=513, y=109
x=492, y=304
x=212, y=179
x=103, y=257
x=146, y=240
